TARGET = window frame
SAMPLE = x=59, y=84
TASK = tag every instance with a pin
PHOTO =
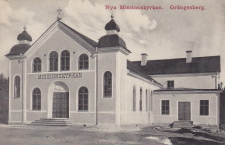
x=37, y=65
x=38, y=100
x=17, y=85
x=164, y=111
x=65, y=60
x=141, y=100
x=109, y=88
x=53, y=60
x=83, y=109
x=204, y=105
x=170, y=84
x=134, y=98
x=83, y=62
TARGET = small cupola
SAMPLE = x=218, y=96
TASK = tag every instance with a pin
x=112, y=39
x=24, y=44
x=24, y=37
x=111, y=27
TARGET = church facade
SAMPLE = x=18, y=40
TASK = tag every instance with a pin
x=65, y=74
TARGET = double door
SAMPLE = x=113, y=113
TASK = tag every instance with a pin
x=60, y=105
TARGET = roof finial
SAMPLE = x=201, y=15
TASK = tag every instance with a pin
x=59, y=17
x=24, y=27
x=112, y=16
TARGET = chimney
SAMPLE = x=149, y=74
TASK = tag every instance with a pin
x=144, y=59
x=189, y=56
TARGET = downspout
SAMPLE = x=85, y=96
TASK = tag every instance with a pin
x=96, y=91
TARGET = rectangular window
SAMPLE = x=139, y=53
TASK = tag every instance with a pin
x=165, y=107
x=170, y=84
x=204, y=107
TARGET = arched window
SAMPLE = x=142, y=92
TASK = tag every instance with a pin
x=83, y=61
x=17, y=87
x=37, y=65
x=65, y=60
x=134, y=98
x=53, y=61
x=83, y=99
x=146, y=100
x=140, y=99
x=36, y=99
x=107, y=84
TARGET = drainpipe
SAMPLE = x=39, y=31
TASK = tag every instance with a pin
x=96, y=81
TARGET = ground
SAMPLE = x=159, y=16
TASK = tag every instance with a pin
x=104, y=135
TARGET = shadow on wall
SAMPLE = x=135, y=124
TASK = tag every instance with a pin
x=4, y=99
x=222, y=110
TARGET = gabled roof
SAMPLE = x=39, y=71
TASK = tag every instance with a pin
x=135, y=69
x=21, y=48
x=88, y=40
x=208, y=64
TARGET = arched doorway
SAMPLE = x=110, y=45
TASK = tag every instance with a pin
x=59, y=95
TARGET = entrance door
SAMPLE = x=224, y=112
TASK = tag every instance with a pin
x=60, y=105
x=184, y=111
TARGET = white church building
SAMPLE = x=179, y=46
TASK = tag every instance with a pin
x=64, y=74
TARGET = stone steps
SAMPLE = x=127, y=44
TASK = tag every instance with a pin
x=52, y=122
x=183, y=124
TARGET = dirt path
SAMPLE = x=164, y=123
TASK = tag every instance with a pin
x=74, y=135
x=103, y=135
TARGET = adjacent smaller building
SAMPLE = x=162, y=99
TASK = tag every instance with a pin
x=190, y=88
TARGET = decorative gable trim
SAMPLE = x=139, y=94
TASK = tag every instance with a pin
x=42, y=39
x=77, y=38
x=50, y=31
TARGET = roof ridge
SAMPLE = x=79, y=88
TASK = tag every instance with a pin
x=180, y=58
x=93, y=43
x=142, y=73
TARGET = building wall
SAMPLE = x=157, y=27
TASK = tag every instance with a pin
x=117, y=109
x=136, y=116
x=122, y=90
x=107, y=106
x=15, y=107
x=57, y=42
x=194, y=99
x=189, y=81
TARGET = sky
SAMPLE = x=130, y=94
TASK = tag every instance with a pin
x=162, y=34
